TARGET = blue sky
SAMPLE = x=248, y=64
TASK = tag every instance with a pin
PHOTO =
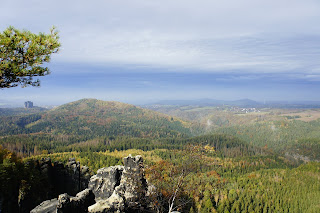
x=141, y=51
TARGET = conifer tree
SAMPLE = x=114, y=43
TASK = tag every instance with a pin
x=22, y=55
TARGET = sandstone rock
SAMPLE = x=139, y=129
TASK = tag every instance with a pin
x=114, y=203
x=112, y=189
x=130, y=188
x=70, y=178
x=45, y=165
x=133, y=185
x=104, y=182
x=79, y=203
x=67, y=204
x=48, y=206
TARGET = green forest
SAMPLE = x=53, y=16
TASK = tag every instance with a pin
x=269, y=165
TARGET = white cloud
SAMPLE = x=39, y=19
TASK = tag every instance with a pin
x=204, y=35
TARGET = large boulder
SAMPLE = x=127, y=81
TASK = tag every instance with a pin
x=77, y=204
x=105, y=181
x=130, y=192
x=67, y=204
x=114, y=203
x=48, y=206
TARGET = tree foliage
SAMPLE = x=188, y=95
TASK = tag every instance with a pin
x=170, y=177
x=22, y=55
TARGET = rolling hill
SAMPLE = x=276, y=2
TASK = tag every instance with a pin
x=94, y=118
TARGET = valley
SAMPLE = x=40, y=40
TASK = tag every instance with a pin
x=239, y=159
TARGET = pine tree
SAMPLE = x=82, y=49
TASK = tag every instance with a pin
x=21, y=55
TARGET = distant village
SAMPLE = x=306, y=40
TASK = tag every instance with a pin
x=243, y=110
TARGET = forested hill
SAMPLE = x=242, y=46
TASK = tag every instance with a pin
x=93, y=117
x=20, y=111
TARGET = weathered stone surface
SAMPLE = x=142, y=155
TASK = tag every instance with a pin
x=70, y=179
x=67, y=204
x=77, y=204
x=133, y=185
x=45, y=165
x=104, y=182
x=48, y=206
x=114, y=203
x=112, y=189
x=131, y=194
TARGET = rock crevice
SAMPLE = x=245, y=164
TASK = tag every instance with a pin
x=112, y=189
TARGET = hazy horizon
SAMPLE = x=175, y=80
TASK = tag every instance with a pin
x=192, y=102
x=146, y=51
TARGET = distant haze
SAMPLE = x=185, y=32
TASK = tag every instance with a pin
x=145, y=51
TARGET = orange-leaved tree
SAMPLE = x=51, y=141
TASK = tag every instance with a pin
x=170, y=177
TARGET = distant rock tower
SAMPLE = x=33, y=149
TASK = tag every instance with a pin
x=28, y=104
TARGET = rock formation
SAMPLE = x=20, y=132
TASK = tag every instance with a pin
x=105, y=181
x=76, y=204
x=71, y=178
x=66, y=203
x=48, y=206
x=53, y=179
x=114, y=189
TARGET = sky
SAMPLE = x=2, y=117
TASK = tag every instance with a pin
x=142, y=51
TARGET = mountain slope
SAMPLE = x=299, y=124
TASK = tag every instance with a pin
x=96, y=118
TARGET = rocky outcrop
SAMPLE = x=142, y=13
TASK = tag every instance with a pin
x=133, y=185
x=70, y=178
x=77, y=204
x=48, y=206
x=114, y=189
x=128, y=191
x=105, y=181
x=115, y=203
x=53, y=179
x=66, y=203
